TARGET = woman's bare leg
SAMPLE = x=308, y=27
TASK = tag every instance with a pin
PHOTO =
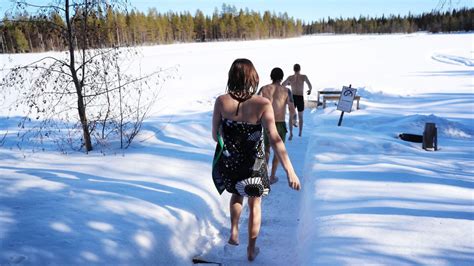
x=255, y=219
x=235, y=211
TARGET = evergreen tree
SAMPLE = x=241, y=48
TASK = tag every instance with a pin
x=20, y=42
x=108, y=27
x=200, y=26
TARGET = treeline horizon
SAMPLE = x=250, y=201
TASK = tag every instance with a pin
x=113, y=28
x=434, y=22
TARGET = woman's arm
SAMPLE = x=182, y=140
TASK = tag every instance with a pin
x=216, y=118
x=279, y=147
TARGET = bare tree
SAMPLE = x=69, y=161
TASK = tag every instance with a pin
x=442, y=4
x=89, y=81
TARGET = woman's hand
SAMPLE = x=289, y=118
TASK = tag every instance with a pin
x=293, y=181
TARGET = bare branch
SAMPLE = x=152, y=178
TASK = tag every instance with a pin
x=123, y=85
x=50, y=58
x=48, y=69
x=93, y=57
x=26, y=4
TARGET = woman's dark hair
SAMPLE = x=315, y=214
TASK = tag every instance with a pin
x=243, y=80
x=297, y=67
x=276, y=74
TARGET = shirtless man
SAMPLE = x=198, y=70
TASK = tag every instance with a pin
x=280, y=97
x=296, y=82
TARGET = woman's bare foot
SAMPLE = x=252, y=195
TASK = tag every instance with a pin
x=234, y=237
x=251, y=255
x=233, y=242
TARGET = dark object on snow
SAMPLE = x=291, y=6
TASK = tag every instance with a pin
x=198, y=260
x=411, y=137
x=430, y=137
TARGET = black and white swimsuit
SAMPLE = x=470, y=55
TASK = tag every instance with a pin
x=239, y=161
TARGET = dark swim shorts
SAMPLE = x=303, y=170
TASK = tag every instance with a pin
x=299, y=102
x=281, y=128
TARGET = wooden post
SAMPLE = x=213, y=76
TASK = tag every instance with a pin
x=430, y=137
x=340, y=119
x=342, y=113
x=317, y=103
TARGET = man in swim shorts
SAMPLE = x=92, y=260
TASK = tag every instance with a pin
x=296, y=82
x=280, y=97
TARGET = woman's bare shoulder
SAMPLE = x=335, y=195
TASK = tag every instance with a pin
x=260, y=100
x=222, y=98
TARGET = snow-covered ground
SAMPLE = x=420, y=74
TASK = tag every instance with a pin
x=368, y=197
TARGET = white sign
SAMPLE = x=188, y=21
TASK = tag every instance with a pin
x=346, y=99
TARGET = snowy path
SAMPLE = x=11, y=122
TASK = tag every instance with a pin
x=280, y=211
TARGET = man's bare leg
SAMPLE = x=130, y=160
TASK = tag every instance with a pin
x=235, y=211
x=291, y=123
x=300, y=118
x=255, y=219
x=273, y=178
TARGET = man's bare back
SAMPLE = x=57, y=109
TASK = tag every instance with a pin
x=279, y=96
x=296, y=82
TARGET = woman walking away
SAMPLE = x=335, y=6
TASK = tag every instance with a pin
x=239, y=163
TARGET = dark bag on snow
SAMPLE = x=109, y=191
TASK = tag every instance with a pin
x=411, y=137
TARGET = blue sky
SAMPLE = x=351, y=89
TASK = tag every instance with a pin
x=307, y=10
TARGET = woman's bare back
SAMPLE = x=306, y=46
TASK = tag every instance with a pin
x=250, y=111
